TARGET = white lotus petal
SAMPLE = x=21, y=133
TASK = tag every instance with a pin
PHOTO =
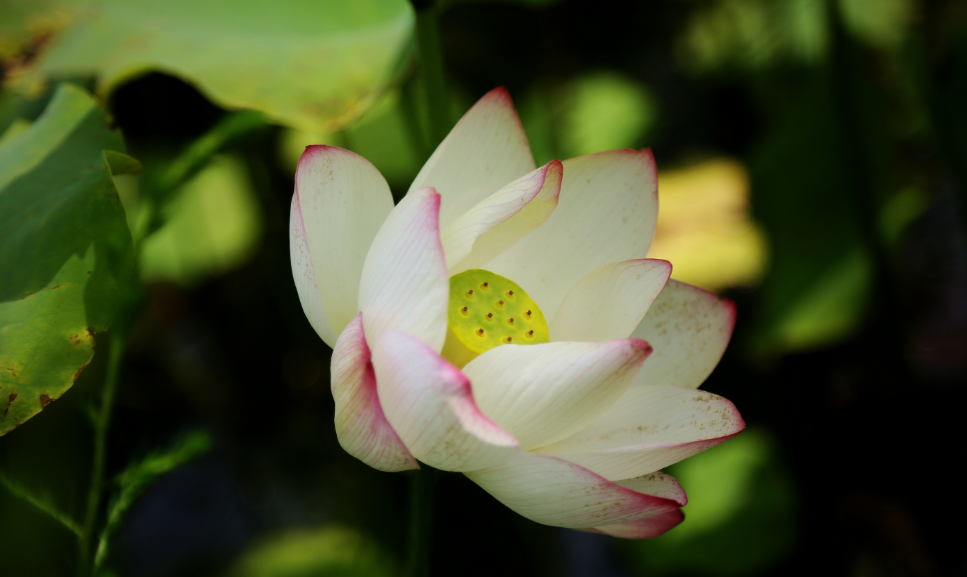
x=361, y=426
x=502, y=219
x=689, y=329
x=339, y=204
x=404, y=284
x=649, y=428
x=645, y=528
x=606, y=214
x=430, y=405
x=303, y=273
x=658, y=484
x=543, y=393
x=555, y=492
x=484, y=151
x=610, y=301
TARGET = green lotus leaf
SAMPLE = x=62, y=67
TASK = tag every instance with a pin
x=312, y=65
x=65, y=250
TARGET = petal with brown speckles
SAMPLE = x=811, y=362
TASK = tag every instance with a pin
x=689, y=329
x=649, y=428
x=556, y=492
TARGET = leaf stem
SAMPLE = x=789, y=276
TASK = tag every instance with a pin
x=102, y=423
x=421, y=516
x=431, y=66
x=42, y=504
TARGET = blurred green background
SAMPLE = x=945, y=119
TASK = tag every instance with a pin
x=813, y=167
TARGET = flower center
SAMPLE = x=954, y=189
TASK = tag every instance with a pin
x=487, y=310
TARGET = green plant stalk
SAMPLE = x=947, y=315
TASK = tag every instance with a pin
x=438, y=113
x=43, y=505
x=421, y=516
x=431, y=66
x=138, y=477
x=102, y=423
x=410, y=103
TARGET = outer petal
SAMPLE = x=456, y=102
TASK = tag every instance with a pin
x=543, y=393
x=607, y=213
x=361, y=426
x=429, y=403
x=645, y=528
x=555, y=492
x=339, y=204
x=404, y=285
x=610, y=301
x=502, y=219
x=649, y=428
x=484, y=151
x=689, y=328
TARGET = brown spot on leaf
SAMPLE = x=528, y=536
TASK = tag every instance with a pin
x=44, y=400
x=12, y=397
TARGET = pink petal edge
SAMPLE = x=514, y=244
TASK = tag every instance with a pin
x=361, y=425
x=430, y=404
x=645, y=528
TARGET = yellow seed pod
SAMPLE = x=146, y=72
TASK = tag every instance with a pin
x=487, y=310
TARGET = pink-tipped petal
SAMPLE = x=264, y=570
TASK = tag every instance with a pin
x=484, y=151
x=610, y=301
x=502, y=219
x=544, y=393
x=361, y=425
x=649, y=428
x=689, y=328
x=339, y=204
x=606, y=213
x=556, y=492
x=430, y=405
x=645, y=528
x=404, y=284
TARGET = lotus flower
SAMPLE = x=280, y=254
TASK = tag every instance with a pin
x=532, y=284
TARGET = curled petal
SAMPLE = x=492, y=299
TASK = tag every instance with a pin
x=429, y=403
x=484, y=151
x=689, y=328
x=606, y=213
x=339, y=204
x=502, y=219
x=644, y=528
x=404, y=283
x=658, y=484
x=649, y=428
x=610, y=301
x=543, y=393
x=556, y=492
x=361, y=426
